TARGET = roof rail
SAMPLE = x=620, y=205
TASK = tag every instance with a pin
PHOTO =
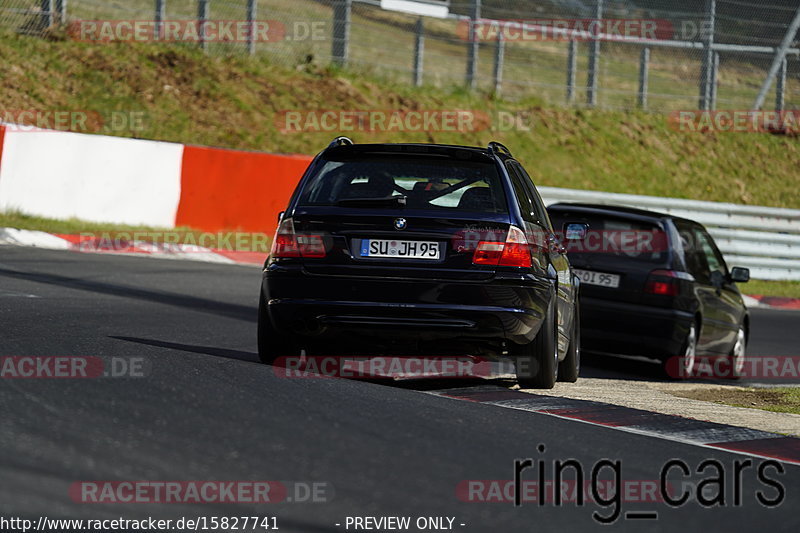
x=496, y=147
x=340, y=141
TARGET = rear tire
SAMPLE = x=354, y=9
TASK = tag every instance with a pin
x=537, y=364
x=737, y=356
x=686, y=365
x=272, y=345
x=570, y=367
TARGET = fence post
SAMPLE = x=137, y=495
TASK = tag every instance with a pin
x=48, y=6
x=202, y=17
x=707, y=68
x=644, y=77
x=62, y=9
x=780, y=88
x=714, y=81
x=161, y=14
x=594, y=58
x=341, y=31
x=473, y=45
x=252, y=14
x=419, y=51
x=780, y=55
x=499, y=58
x=572, y=67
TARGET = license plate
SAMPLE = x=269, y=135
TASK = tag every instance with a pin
x=598, y=278
x=399, y=249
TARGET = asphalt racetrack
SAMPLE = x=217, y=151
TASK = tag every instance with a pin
x=203, y=408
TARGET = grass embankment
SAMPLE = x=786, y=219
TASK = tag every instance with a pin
x=383, y=42
x=234, y=102
x=779, y=399
x=786, y=289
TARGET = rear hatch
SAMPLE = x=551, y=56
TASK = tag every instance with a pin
x=402, y=215
x=617, y=255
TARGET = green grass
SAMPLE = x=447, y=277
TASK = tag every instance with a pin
x=787, y=289
x=777, y=399
x=232, y=241
x=66, y=227
x=785, y=400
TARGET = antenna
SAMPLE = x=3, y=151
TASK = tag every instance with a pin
x=340, y=141
x=496, y=147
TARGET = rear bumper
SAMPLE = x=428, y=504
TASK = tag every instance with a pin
x=632, y=329
x=338, y=313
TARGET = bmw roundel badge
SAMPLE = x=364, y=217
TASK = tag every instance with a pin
x=400, y=223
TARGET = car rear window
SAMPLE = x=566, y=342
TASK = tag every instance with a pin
x=427, y=183
x=614, y=237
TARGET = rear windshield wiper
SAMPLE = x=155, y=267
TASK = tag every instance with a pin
x=388, y=201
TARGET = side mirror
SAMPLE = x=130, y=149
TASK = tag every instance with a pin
x=575, y=232
x=740, y=274
x=280, y=217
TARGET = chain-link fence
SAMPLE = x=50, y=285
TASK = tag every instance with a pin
x=656, y=54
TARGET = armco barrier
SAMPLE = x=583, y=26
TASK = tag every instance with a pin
x=98, y=178
x=764, y=239
x=2, y=137
x=225, y=189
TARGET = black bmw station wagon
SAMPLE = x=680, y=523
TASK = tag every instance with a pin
x=420, y=249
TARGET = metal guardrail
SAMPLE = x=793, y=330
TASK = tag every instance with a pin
x=764, y=239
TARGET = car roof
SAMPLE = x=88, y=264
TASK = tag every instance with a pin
x=617, y=210
x=447, y=150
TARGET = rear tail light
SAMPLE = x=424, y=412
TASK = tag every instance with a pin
x=287, y=243
x=663, y=282
x=514, y=252
x=488, y=253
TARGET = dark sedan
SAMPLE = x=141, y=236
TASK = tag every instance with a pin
x=654, y=285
